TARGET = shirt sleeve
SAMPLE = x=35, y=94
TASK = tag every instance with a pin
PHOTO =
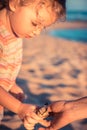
x=5, y=81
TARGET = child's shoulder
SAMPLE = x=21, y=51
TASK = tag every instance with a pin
x=3, y=31
x=5, y=35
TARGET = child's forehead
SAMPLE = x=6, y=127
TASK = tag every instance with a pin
x=46, y=18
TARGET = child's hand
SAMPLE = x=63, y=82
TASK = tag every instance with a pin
x=27, y=113
x=17, y=92
x=30, y=122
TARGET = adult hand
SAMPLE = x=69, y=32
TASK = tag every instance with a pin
x=65, y=112
x=59, y=115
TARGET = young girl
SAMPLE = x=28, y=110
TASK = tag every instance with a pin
x=21, y=19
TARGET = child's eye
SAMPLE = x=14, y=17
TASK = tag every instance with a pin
x=34, y=24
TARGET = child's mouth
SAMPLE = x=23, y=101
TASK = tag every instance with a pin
x=27, y=36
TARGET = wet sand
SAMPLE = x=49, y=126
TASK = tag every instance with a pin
x=53, y=69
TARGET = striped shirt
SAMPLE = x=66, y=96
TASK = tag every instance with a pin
x=10, y=57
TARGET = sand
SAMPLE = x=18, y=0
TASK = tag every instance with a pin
x=53, y=69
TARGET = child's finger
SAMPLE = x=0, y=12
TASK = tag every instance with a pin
x=31, y=120
x=34, y=116
x=45, y=123
x=28, y=126
x=41, y=121
x=43, y=111
x=37, y=120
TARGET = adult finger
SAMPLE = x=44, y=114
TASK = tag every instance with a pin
x=56, y=107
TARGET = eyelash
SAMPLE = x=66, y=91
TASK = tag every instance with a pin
x=34, y=24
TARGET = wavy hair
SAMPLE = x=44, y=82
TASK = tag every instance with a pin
x=59, y=6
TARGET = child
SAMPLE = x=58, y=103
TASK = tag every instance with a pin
x=21, y=19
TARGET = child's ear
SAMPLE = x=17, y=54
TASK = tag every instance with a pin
x=13, y=5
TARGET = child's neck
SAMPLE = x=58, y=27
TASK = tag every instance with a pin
x=5, y=20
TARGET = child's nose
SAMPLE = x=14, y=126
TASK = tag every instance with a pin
x=37, y=31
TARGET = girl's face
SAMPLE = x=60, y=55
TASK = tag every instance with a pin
x=27, y=22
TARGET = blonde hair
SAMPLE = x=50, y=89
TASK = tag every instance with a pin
x=57, y=6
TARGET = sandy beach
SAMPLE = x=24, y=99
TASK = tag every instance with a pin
x=52, y=69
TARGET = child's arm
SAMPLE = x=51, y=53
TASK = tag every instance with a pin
x=14, y=105
x=27, y=112
x=8, y=101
